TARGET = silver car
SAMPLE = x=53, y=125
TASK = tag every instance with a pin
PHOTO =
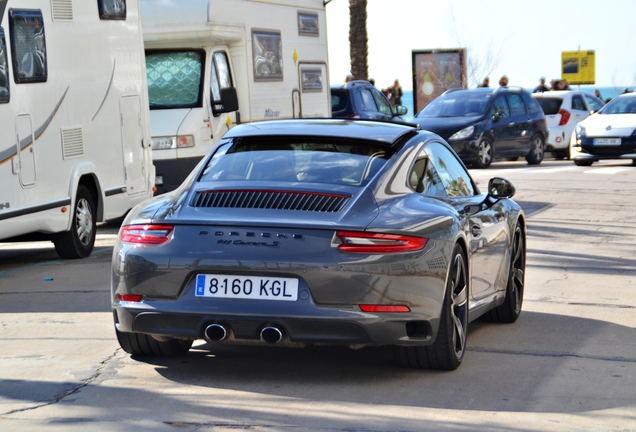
x=321, y=232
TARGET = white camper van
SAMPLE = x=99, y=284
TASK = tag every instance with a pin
x=215, y=63
x=75, y=142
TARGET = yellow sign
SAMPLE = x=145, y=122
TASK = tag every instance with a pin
x=578, y=67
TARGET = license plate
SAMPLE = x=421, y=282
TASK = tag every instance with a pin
x=247, y=287
x=607, y=141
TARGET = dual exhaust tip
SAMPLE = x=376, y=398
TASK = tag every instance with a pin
x=219, y=332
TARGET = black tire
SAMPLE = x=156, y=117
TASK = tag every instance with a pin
x=583, y=162
x=143, y=345
x=485, y=153
x=537, y=151
x=561, y=154
x=447, y=352
x=78, y=242
x=510, y=309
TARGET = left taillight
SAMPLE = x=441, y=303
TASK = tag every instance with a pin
x=565, y=117
x=367, y=242
x=145, y=234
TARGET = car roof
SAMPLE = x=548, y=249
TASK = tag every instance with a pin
x=557, y=93
x=383, y=132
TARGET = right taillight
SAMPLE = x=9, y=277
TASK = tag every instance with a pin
x=565, y=116
x=368, y=242
x=145, y=234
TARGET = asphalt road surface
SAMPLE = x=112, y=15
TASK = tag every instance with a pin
x=568, y=363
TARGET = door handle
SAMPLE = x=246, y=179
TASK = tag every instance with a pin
x=476, y=230
x=511, y=124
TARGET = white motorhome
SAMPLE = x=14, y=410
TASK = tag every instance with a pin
x=75, y=143
x=215, y=63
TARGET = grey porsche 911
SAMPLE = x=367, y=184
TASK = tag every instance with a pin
x=323, y=231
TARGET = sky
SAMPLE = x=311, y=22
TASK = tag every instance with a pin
x=523, y=39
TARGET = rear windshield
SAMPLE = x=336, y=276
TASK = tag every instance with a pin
x=339, y=100
x=550, y=106
x=297, y=160
x=457, y=104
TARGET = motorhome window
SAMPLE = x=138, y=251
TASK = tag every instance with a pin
x=267, y=51
x=28, y=46
x=308, y=24
x=112, y=9
x=175, y=78
x=311, y=80
x=220, y=77
x=4, y=70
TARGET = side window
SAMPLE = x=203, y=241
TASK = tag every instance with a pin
x=454, y=177
x=424, y=179
x=4, y=70
x=532, y=104
x=577, y=103
x=383, y=105
x=112, y=9
x=28, y=46
x=367, y=100
x=220, y=77
x=517, y=107
x=500, y=107
x=592, y=103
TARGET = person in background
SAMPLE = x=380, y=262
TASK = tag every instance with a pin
x=485, y=83
x=503, y=81
x=625, y=90
x=372, y=81
x=598, y=94
x=349, y=78
x=396, y=92
x=541, y=88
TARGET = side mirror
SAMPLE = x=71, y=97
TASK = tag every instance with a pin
x=229, y=101
x=497, y=116
x=499, y=188
x=401, y=110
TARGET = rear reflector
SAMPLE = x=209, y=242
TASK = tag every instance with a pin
x=128, y=297
x=366, y=242
x=145, y=234
x=384, y=308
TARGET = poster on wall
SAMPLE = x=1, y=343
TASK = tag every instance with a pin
x=434, y=72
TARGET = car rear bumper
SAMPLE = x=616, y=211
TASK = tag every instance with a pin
x=336, y=327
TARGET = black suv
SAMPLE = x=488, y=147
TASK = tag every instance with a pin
x=484, y=124
x=361, y=100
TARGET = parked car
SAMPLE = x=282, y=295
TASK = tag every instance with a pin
x=485, y=124
x=608, y=134
x=321, y=231
x=563, y=110
x=361, y=100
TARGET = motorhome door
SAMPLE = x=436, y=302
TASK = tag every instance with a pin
x=132, y=141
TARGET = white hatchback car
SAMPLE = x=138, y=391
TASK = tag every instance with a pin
x=608, y=134
x=563, y=110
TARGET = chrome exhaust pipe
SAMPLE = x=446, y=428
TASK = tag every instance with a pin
x=271, y=334
x=216, y=333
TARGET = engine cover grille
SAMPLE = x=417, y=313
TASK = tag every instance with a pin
x=271, y=199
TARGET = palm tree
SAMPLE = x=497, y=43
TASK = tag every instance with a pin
x=358, y=50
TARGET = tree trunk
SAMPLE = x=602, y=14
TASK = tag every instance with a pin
x=358, y=49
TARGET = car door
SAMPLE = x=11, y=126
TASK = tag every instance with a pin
x=521, y=122
x=485, y=225
x=579, y=109
x=502, y=127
